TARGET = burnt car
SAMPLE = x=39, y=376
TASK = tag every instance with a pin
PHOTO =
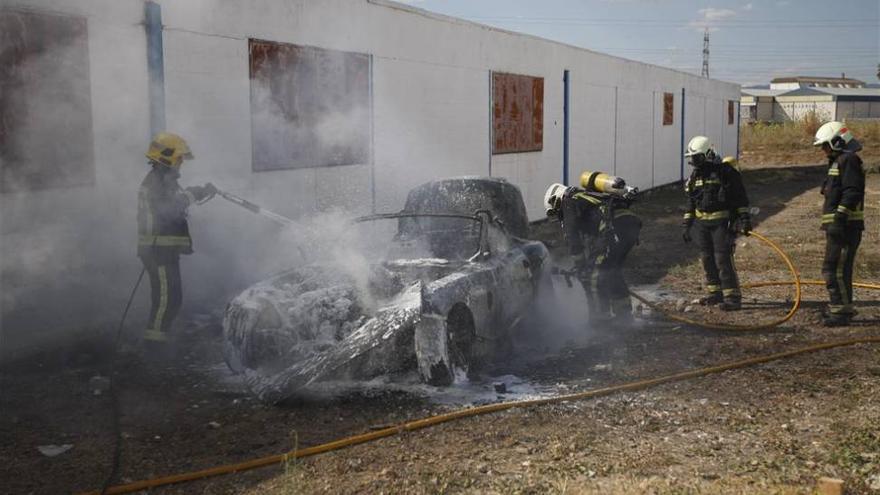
x=438, y=289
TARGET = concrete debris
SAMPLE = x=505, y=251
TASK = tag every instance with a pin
x=54, y=450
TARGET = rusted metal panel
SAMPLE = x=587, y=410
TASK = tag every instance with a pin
x=517, y=113
x=45, y=102
x=668, y=108
x=310, y=107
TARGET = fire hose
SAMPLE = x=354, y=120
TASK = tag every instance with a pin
x=259, y=210
x=502, y=406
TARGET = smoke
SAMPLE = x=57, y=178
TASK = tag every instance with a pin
x=57, y=218
x=298, y=142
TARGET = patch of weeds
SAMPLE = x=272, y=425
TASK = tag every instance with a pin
x=859, y=451
x=291, y=465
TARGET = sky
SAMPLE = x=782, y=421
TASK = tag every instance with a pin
x=750, y=42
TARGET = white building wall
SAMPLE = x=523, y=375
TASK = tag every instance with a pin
x=593, y=132
x=62, y=250
x=431, y=118
x=666, y=140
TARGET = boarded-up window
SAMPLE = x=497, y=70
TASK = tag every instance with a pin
x=668, y=108
x=730, y=112
x=45, y=102
x=517, y=113
x=310, y=107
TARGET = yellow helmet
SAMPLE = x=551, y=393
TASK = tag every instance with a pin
x=169, y=150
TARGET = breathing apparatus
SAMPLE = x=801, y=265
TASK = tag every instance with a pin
x=601, y=182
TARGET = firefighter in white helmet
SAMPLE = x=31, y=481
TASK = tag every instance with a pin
x=718, y=204
x=843, y=217
x=600, y=231
x=163, y=230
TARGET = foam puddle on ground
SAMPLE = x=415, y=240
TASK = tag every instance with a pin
x=464, y=392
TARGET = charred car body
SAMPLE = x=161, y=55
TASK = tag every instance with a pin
x=454, y=275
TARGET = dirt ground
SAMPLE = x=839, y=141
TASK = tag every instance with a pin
x=773, y=428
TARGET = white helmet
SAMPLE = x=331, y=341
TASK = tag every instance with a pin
x=553, y=197
x=835, y=134
x=699, y=145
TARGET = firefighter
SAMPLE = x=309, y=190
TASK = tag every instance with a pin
x=600, y=231
x=717, y=202
x=163, y=231
x=843, y=217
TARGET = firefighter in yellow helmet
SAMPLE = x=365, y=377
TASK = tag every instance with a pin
x=843, y=217
x=163, y=231
x=718, y=204
x=600, y=231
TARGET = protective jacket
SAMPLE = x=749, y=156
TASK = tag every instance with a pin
x=162, y=210
x=715, y=194
x=844, y=189
x=586, y=216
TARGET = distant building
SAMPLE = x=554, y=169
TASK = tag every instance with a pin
x=793, y=98
x=799, y=82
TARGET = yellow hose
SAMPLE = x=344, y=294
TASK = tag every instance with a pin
x=796, y=281
x=861, y=285
x=463, y=413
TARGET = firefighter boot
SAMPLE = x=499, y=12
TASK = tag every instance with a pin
x=731, y=303
x=712, y=299
x=156, y=346
x=622, y=308
x=837, y=319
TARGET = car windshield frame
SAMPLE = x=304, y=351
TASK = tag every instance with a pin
x=392, y=216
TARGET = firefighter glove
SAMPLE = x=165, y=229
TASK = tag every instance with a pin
x=203, y=193
x=745, y=225
x=686, y=233
x=837, y=227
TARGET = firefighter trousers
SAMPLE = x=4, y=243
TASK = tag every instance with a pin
x=605, y=286
x=717, y=244
x=166, y=293
x=837, y=269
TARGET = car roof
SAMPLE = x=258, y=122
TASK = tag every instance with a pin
x=465, y=195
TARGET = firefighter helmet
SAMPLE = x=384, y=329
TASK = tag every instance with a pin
x=553, y=198
x=835, y=134
x=699, y=145
x=169, y=150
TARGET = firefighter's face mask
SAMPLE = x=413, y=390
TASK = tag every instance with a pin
x=829, y=152
x=553, y=211
x=698, y=160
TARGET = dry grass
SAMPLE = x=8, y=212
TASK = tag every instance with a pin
x=790, y=143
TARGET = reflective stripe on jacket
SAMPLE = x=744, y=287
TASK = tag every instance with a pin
x=162, y=212
x=715, y=193
x=844, y=191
